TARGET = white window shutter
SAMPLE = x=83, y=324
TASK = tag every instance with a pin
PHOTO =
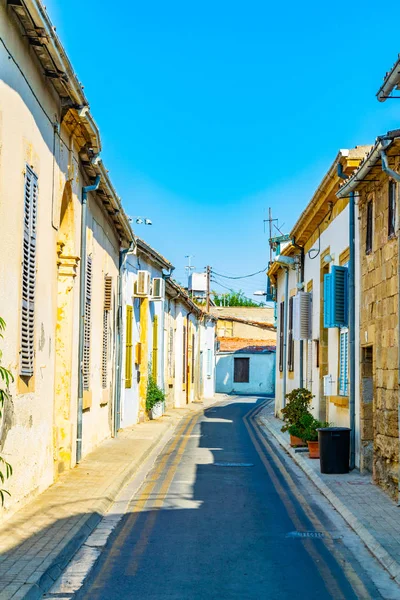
x=309, y=365
x=344, y=363
x=88, y=323
x=29, y=274
x=302, y=316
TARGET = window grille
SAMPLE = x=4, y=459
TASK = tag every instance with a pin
x=369, y=234
x=344, y=363
x=128, y=347
x=392, y=208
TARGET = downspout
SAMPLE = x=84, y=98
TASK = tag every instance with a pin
x=301, y=273
x=352, y=322
x=285, y=325
x=118, y=350
x=82, y=297
x=396, y=177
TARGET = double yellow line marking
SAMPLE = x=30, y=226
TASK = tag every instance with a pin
x=144, y=497
x=329, y=580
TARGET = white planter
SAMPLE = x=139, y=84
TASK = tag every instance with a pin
x=157, y=411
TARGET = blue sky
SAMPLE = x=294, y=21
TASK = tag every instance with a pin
x=210, y=112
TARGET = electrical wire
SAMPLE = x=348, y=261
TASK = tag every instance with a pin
x=231, y=290
x=241, y=276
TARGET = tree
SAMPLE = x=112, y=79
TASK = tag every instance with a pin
x=5, y=379
x=233, y=298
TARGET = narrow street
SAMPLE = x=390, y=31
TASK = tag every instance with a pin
x=219, y=516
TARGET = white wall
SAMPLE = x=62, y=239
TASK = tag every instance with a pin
x=261, y=376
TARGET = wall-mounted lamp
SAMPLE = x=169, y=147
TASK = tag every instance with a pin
x=329, y=258
x=300, y=285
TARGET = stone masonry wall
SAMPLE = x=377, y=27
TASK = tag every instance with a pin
x=379, y=343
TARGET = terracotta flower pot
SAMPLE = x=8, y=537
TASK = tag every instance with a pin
x=296, y=442
x=313, y=448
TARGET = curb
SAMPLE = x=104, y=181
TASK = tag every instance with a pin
x=36, y=590
x=378, y=551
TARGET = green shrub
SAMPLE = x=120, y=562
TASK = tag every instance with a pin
x=309, y=426
x=298, y=403
x=5, y=379
x=154, y=393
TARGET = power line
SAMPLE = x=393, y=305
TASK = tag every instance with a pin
x=241, y=276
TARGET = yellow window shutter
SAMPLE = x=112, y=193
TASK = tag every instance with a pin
x=155, y=347
x=128, y=348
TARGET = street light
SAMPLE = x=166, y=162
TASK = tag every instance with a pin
x=259, y=293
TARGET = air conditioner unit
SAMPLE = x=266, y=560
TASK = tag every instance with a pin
x=142, y=284
x=302, y=316
x=158, y=289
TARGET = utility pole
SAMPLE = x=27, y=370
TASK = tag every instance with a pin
x=208, y=273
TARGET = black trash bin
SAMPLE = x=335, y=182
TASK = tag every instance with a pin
x=334, y=449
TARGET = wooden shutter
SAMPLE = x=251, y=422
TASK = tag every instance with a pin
x=290, y=337
x=107, y=308
x=339, y=296
x=344, y=363
x=155, y=348
x=241, y=370
x=29, y=274
x=281, y=325
x=88, y=323
x=302, y=316
x=128, y=348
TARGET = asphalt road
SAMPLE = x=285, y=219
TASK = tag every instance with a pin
x=224, y=515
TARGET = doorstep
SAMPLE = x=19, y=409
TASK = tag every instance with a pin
x=366, y=508
x=38, y=541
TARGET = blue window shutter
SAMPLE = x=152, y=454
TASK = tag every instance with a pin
x=327, y=300
x=339, y=291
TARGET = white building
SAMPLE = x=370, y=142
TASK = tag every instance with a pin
x=310, y=276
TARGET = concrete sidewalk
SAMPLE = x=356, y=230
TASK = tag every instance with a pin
x=366, y=508
x=38, y=541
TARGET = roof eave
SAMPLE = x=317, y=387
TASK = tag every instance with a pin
x=391, y=81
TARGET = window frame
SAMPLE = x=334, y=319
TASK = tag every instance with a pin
x=244, y=360
x=290, y=359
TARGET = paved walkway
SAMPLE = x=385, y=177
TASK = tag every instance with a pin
x=367, y=509
x=38, y=541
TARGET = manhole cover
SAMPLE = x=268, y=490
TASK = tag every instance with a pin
x=305, y=534
x=233, y=464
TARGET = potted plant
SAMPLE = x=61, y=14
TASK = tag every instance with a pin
x=310, y=427
x=298, y=403
x=155, y=399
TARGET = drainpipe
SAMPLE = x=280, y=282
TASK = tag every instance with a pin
x=285, y=326
x=301, y=277
x=118, y=349
x=396, y=177
x=82, y=297
x=352, y=340
x=352, y=323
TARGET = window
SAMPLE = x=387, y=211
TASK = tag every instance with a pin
x=128, y=348
x=106, y=320
x=281, y=324
x=290, y=335
x=155, y=348
x=392, y=209
x=368, y=241
x=344, y=362
x=88, y=324
x=29, y=274
x=241, y=370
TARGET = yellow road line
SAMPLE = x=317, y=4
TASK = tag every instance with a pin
x=149, y=524
x=352, y=576
x=330, y=582
x=122, y=536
